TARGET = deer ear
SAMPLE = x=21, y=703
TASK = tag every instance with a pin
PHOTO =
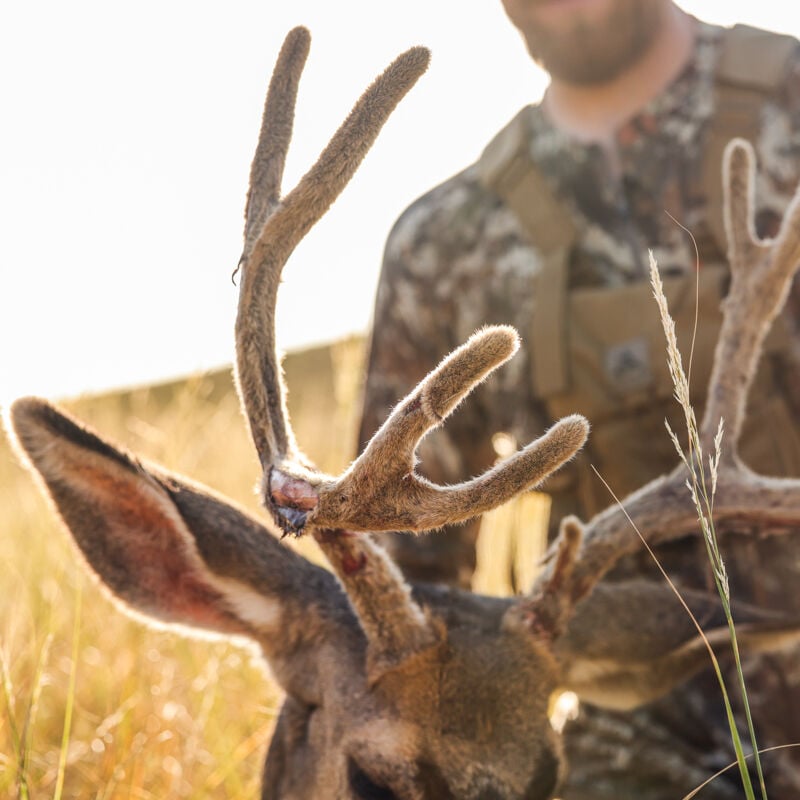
x=629, y=643
x=170, y=551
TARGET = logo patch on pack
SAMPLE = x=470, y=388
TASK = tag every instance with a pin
x=627, y=365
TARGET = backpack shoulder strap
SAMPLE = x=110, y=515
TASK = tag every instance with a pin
x=751, y=69
x=507, y=169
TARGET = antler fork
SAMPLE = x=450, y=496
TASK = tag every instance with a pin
x=380, y=491
x=761, y=274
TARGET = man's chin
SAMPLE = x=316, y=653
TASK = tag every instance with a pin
x=589, y=42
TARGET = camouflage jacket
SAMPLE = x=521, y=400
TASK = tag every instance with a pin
x=458, y=259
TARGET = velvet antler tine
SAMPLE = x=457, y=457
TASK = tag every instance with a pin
x=546, y=611
x=738, y=177
x=436, y=396
x=258, y=375
x=424, y=506
x=381, y=490
x=337, y=163
x=519, y=473
x=258, y=371
x=266, y=171
x=761, y=274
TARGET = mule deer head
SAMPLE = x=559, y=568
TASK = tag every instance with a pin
x=395, y=691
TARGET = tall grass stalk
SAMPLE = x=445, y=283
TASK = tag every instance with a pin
x=16, y=740
x=76, y=637
x=733, y=764
x=741, y=757
x=26, y=738
x=140, y=725
x=702, y=486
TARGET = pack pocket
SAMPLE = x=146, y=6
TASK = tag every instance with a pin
x=616, y=357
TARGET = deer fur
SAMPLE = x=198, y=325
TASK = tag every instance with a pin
x=392, y=690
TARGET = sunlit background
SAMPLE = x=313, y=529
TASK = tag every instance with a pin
x=124, y=150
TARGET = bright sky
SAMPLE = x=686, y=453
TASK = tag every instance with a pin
x=124, y=153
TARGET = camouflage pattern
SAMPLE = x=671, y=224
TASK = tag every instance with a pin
x=458, y=259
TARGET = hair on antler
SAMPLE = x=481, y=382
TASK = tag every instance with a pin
x=274, y=225
x=294, y=491
x=395, y=691
x=761, y=273
x=380, y=491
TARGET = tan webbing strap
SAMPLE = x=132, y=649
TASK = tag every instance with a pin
x=548, y=330
x=507, y=169
x=751, y=69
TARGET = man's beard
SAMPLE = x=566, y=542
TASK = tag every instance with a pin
x=596, y=52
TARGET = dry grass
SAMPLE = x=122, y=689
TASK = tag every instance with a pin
x=154, y=714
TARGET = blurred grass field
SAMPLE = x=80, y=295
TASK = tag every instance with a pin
x=156, y=714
